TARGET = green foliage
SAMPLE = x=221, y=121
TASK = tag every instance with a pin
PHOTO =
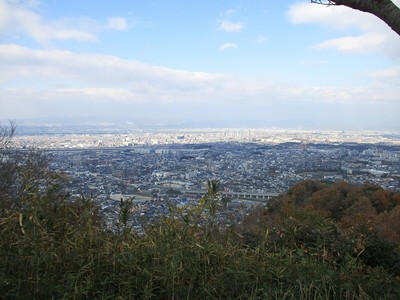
x=301, y=247
x=124, y=215
x=212, y=198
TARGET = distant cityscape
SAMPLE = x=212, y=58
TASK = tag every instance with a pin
x=157, y=168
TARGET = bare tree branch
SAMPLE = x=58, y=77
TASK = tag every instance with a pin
x=327, y=3
x=385, y=10
x=6, y=134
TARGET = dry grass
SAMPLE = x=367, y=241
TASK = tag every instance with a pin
x=54, y=249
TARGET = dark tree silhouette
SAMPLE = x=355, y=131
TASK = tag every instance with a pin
x=6, y=134
x=213, y=195
x=385, y=10
x=24, y=175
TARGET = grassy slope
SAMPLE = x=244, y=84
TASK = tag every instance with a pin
x=309, y=244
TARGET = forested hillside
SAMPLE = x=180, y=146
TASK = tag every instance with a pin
x=319, y=241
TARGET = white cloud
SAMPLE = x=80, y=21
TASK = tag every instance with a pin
x=117, y=23
x=229, y=26
x=388, y=80
x=230, y=11
x=361, y=43
x=313, y=62
x=260, y=39
x=375, y=35
x=28, y=3
x=19, y=17
x=96, y=74
x=388, y=73
x=53, y=82
x=228, y=46
x=51, y=67
x=336, y=17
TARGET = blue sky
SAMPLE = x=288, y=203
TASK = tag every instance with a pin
x=226, y=63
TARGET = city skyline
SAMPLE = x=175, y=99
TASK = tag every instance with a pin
x=224, y=63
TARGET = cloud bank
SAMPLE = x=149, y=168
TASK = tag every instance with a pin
x=373, y=36
x=19, y=18
x=42, y=82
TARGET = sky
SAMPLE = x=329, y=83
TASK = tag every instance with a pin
x=260, y=63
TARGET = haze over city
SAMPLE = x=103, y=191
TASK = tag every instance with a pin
x=288, y=64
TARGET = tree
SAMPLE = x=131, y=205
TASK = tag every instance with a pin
x=6, y=134
x=24, y=175
x=385, y=10
x=213, y=195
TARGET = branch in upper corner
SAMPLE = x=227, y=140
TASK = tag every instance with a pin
x=327, y=3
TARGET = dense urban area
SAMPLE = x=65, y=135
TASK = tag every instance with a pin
x=159, y=168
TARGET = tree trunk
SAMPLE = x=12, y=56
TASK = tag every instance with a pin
x=386, y=10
